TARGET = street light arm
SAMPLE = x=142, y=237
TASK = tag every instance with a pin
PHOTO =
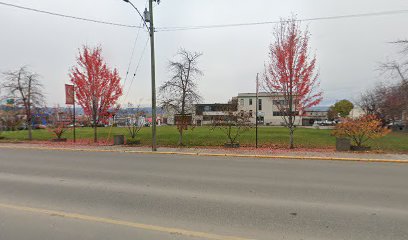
x=140, y=14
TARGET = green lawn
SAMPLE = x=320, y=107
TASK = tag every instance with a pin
x=203, y=136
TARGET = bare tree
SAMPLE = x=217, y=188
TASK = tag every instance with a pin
x=386, y=101
x=398, y=69
x=369, y=101
x=392, y=103
x=395, y=70
x=27, y=91
x=179, y=94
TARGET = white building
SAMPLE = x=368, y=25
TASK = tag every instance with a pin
x=268, y=112
x=356, y=112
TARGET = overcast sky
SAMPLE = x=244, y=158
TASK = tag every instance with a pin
x=348, y=50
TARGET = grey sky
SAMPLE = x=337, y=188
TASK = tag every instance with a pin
x=348, y=50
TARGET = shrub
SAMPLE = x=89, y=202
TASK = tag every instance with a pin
x=58, y=129
x=361, y=129
x=232, y=124
x=134, y=127
x=132, y=141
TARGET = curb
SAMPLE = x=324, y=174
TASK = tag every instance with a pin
x=215, y=154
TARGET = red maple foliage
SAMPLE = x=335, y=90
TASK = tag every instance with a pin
x=290, y=75
x=97, y=87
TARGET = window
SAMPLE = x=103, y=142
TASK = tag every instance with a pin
x=279, y=113
x=206, y=118
x=279, y=102
x=260, y=104
x=250, y=113
x=250, y=101
x=241, y=102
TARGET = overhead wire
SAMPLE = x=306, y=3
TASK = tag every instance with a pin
x=137, y=68
x=132, y=55
x=133, y=51
x=184, y=28
x=69, y=16
x=360, y=15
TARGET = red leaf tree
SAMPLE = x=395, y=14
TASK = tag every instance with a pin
x=290, y=74
x=97, y=87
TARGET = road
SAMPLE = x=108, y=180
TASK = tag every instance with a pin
x=93, y=195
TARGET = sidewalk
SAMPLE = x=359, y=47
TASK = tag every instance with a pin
x=315, y=154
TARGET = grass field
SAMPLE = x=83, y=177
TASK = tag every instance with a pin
x=203, y=136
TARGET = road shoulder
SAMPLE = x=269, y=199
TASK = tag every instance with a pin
x=220, y=152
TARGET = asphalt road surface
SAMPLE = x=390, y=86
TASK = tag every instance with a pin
x=93, y=195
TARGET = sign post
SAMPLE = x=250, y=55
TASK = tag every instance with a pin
x=70, y=100
x=256, y=111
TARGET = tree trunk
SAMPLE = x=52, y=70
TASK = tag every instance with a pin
x=29, y=127
x=291, y=141
x=95, y=125
x=180, y=137
x=94, y=117
x=229, y=134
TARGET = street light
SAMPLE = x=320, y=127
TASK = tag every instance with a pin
x=148, y=17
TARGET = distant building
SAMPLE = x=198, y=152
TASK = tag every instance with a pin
x=136, y=115
x=206, y=114
x=356, y=112
x=314, y=114
x=268, y=112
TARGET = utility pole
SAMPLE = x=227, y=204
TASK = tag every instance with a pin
x=148, y=18
x=153, y=69
x=256, y=111
x=73, y=87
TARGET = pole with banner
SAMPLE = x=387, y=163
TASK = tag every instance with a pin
x=256, y=111
x=70, y=100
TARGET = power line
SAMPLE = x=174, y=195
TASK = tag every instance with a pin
x=136, y=70
x=361, y=15
x=133, y=53
x=184, y=28
x=69, y=16
x=134, y=47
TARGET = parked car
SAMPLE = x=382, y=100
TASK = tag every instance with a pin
x=76, y=125
x=22, y=127
x=328, y=123
x=39, y=126
x=397, y=125
x=324, y=123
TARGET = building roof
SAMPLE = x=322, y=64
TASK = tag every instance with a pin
x=260, y=94
x=211, y=104
x=318, y=109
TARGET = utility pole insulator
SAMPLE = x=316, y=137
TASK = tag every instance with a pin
x=146, y=14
